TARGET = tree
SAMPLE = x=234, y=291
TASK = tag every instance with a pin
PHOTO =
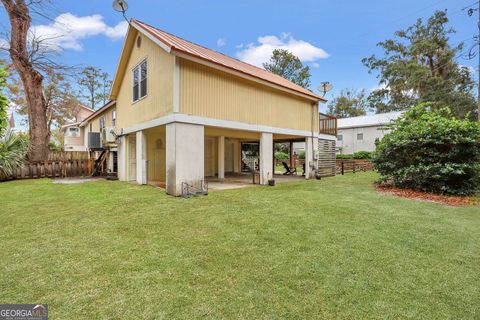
x=3, y=100
x=26, y=55
x=60, y=99
x=95, y=86
x=349, y=103
x=287, y=65
x=419, y=66
x=431, y=151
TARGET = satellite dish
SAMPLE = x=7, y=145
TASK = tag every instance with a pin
x=120, y=6
x=325, y=87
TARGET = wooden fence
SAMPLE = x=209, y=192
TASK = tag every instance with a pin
x=67, y=155
x=60, y=164
x=353, y=165
x=53, y=169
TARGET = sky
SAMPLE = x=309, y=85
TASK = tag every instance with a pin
x=331, y=37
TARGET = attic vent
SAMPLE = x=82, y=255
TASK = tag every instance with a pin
x=139, y=41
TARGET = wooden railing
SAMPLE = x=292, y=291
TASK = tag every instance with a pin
x=327, y=124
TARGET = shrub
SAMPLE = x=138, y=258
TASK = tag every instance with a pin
x=281, y=155
x=356, y=155
x=431, y=151
x=344, y=156
x=301, y=155
x=13, y=148
x=362, y=155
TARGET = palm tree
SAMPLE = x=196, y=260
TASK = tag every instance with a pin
x=13, y=148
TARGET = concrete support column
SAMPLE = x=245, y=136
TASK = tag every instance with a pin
x=311, y=144
x=141, y=156
x=237, y=156
x=185, y=148
x=266, y=157
x=122, y=159
x=221, y=157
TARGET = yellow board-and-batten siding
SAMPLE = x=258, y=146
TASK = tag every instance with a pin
x=95, y=121
x=159, y=99
x=210, y=93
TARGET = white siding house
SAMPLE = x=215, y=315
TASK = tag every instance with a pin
x=360, y=133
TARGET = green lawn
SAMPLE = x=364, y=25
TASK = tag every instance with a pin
x=316, y=249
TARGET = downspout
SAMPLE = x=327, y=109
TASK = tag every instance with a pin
x=314, y=106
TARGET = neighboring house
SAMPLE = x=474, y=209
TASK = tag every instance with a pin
x=360, y=133
x=73, y=134
x=184, y=112
x=99, y=135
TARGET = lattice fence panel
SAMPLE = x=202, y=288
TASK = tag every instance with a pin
x=326, y=164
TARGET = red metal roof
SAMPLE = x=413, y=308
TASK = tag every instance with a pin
x=178, y=44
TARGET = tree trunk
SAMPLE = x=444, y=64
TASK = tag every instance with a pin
x=32, y=80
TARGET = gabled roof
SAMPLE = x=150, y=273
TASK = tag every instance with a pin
x=86, y=108
x=379, y=119
x=175, y=44
x=106, y=106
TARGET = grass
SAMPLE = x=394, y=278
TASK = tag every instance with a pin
x=317, y=249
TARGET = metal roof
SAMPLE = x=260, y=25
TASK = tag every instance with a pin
x=368, y=121
x=175, y=43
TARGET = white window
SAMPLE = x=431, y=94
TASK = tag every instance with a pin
x=359, y=136
x=139, y=81
x=340, y=137
x=73, y=132
x=114, y=117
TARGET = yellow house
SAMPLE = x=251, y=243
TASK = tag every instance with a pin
x=183, y=112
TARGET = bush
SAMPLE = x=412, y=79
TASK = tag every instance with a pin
x=431, y=151
x=301, y=155
x=344, y=156
x=13, y=148
x=356, y=155
x=281, y=155
x=362, y=155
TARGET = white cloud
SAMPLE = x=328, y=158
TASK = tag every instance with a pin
x=221, y=42
x=67, y=30
x=4, y=44
x=258, y=53
x=239, y=46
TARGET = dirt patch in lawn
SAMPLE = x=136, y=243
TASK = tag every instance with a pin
x=426, y=196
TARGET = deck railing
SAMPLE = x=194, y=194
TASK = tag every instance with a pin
x=327, y=124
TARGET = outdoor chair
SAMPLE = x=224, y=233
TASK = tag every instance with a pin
x=288, y=170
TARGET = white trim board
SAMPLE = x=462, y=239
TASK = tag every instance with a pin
x=227, y=124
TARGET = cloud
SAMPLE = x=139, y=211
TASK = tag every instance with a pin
x=4, y=44
x=239, y=46
x=67, y=30
x=221, y=42
x=260, y=52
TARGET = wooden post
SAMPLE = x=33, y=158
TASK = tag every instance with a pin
x=343, y=169
x=292, y=161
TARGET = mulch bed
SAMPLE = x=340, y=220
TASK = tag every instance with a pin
x=426, y=196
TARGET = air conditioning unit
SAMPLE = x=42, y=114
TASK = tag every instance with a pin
x=94, y=140
x=109, y=136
